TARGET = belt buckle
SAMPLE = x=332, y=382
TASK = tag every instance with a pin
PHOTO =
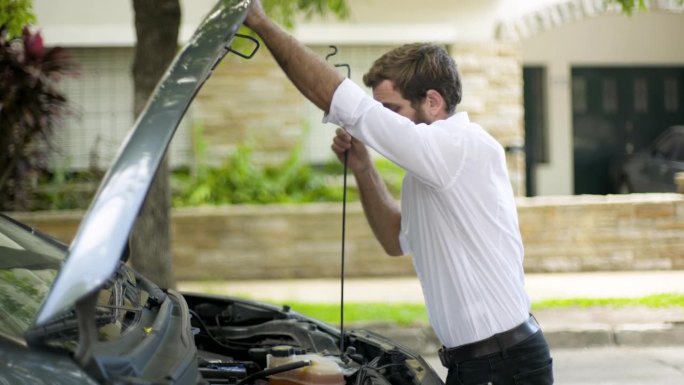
x=443, y=356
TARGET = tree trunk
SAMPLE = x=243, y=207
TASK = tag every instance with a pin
x=156, y=23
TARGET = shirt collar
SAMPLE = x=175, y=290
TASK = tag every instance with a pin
x=459, y=118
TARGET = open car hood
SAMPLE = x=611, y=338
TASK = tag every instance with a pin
x=95, y=252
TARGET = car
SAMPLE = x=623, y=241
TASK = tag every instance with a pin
x=654, y=169
x=78, y=314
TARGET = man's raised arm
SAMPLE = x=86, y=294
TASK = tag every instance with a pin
x=315, y=79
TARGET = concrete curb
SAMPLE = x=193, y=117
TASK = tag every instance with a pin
x=635, y=335
x=421, y=338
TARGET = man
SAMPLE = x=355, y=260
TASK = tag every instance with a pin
x=457, y=217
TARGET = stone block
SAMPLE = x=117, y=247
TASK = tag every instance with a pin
x=587, y=336
x=660, y=334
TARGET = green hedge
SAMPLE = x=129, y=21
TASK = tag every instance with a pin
x=238, y=180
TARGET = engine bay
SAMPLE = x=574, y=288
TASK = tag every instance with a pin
x=145, y=335
x=244, y=342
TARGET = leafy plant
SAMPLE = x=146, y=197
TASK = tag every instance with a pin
x=31, y=107
x=629, y=6
x=60, y=189
x=239, y=180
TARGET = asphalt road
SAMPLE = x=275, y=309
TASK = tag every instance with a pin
x=612, y=366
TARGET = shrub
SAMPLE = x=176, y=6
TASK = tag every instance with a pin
x=240, y=180
x=31, y=107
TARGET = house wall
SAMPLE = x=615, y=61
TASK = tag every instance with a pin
x=560, y=234
x=643, y=39
x=249, y=101
x=551, y=33
x=110, y=23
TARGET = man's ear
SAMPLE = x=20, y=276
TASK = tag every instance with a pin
x=435, y=104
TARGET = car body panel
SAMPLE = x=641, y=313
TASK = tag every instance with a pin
x=103, y=233
x=654, y=169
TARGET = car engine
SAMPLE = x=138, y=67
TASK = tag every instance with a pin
x=243, y=342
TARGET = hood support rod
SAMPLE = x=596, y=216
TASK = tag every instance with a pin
x=344, y=215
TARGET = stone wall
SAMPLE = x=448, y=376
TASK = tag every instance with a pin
x=561, y=234
x=593, y=233
x=249, y=101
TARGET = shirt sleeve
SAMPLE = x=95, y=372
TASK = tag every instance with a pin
x=349, y=103
x=432, y=153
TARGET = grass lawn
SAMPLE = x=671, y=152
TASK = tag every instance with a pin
x=404, y=314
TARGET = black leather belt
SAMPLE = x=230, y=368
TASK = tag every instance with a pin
x=491, y=345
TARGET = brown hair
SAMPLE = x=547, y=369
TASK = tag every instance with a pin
x=415, y=69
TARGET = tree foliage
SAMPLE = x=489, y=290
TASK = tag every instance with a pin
x=31, y=107
x=631, y=6
x=287, y=11
x=14, y=15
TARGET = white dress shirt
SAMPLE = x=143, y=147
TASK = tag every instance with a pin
x=458, y=215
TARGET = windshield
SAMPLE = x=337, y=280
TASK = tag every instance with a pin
x=28, y=266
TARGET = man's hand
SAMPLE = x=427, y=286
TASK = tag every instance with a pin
x=358, y=159
x=255, y=15
x=313, y=77
x=382, y=211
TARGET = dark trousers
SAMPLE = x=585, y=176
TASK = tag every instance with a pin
x=526, y=363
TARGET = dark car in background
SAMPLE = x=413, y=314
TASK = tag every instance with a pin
x=654, y=169
x=77, y=314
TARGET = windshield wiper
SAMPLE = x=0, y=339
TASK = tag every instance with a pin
x=61, y=328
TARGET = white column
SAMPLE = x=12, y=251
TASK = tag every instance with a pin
x=556, y=177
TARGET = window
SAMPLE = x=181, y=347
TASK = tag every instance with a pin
x=640, y=95
x=609, y=95
x=671, y=95
x=100, y=99
x=579, y=94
